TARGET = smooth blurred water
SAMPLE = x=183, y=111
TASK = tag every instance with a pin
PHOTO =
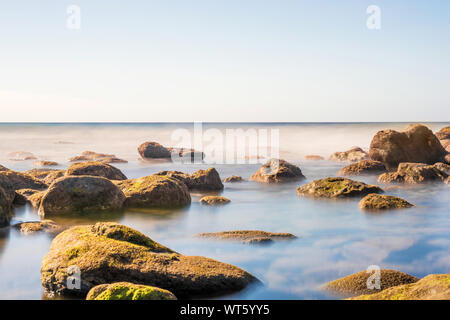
x=335, y=238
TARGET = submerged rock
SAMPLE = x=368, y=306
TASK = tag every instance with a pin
x=45, y=163
x=153, y=150
x=278, y=171
x=47, y=226
x=214, y=200
x=413, y=173
x=248, y=236
x=375, y=201
x=21, y=156
x=154, y=191
x=364, y=167
x=95, y=156
x=356, y=284
x=128, y=291
x=314, y=157
x=233, y=179
x=336, y=188
x=47, y=176
x=206, y=180
x=95, y=168
x=81, y=194
x=416, y=143
x=110, y=252
x=432, y=287
x=354, y=154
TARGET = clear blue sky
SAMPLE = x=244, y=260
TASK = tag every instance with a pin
x=225, y=60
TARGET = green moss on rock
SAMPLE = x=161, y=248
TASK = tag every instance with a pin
x=337, y=188
x=128, y=291
x=375, y=201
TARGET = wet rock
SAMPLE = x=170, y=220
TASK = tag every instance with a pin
x=81, y=194
x=413, y=173
x=314, y=157
x=248, y=236
x=110, y=252
x=128, y=291
x=45, y=163
x=278, y=171
x=21, y=156
x=356, y=284
x=153, y=150
x=354, y=154
x=444, y=133
x=375, y=201
x=47, y=226
x=47, y=176
x=154, y=191
x=432, y=287
x=442, y=167
x=95, y=168
x=95, y=156
x=214, y=200
x=5, y=208
x=416, y=143
x=364, y=167
x=336, y=188
x=233, y=179
x=206, y=180
x=31, y=196
x=18, y=180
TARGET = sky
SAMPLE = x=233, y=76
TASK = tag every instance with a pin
x=224, y=60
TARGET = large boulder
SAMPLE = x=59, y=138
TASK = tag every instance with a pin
x=153, y=150
x=416, y=143
x=375, y=201
x=364, y=167
x=95, y=168
x=432, y=287
x=278, y=171
x=47, y=176
x=336, y=188
x=354, y=154
x=154, y=191
x=81, y=194
x=109, y=252
x=18, y=180
x=206, y=180
x=128, y=291
x=414, y=173
x=356, y=284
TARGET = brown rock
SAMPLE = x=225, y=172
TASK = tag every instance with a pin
x=248, y=236
x=413, y=173
x=45, y=163
x=153, y=150
x=354, y=154
x=110, y=252
x=214, y=200
x=95, y=156
x=81, y=194
x=444, y=133
x=416, y=144
x=47, y=226
x=5, y=208
x=206, y=180
x=47, y=176
x=336, y=188
x=375, y=201
x=314, y=157
x=233, y=179
x=18, y=180
x=364, y=167
x=278, y=171
x=154, y=191
x=95, y=168
x=2, y=168
x=21, y=156
x=356, y=284
x=442, y=167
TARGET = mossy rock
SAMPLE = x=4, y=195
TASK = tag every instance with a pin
x=375, y=201
x=128, y=291
x=202, y=180
x=95, y=168
x=31, y=196
x=154, y=192
x=414, y=173
x=278, y=171
x=356, y=284
x=5, y=208
x=248, y=236
x=47, y=176
x=47, y=226
x=109, y=252
x=18, y=180
x=432, y=287
x=214, y=201
x=353, y=155
x=364, y=167
x=337, y=188
x=81, y=194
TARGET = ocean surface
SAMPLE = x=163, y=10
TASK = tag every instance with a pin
x=335, y=238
